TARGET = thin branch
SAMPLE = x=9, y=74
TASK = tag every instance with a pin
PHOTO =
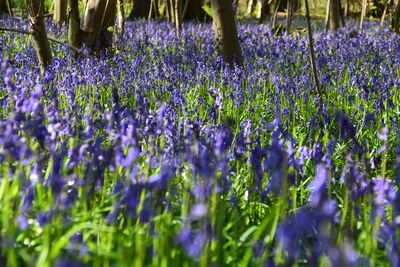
x=312, y=57
x=50, y=38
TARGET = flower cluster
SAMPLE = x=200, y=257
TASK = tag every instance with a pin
x=158, y=153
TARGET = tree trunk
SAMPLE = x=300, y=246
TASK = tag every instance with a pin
x=312, y=59
x=39, y=36
x=363, y=12
x=289, y=15
x=60, y=11
x=153, y=10
x=225, y=31
x=99, y=15
x=168, y=10
x=178, y=14
x=251, y=4
x=284, y=4
x=334, y=15
x=385, y=11
x=172, y=9
x=346, y=8
x=74, y=25
x=263, y=11
x=193, y=11
x=274, y=16
x=5, y=6
x=141, y=9
x=120, y=27
x=396, y=19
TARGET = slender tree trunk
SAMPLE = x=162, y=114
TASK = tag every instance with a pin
x=193, y=10
x=263, y=11
x=120, y=26
x=153, y=11
x=185, y=10
x=363, y=13
x=99, y=15
x=396, y=19
x=225, y=30
x=289, y=15
x=168, y=10
x=385, y=11
x=60, y=11
x=312, y=58
x=141, y=9
x=334, y=15
x=328, y=13
x=39, y=35
x=5, y=6
x=178, y=14
x=346, y=8
x=172, y=9
x=74, y=25
x=250, y=7
x=278, y=2
x=156, y=9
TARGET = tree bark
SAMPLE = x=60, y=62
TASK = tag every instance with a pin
x=312, y=59
x=225, y=31
x=120, y=26
x=363, y=13
x=346, y=8
x=60, y=11
x=385, y=11
x=334, y=15
x=99, y=15
x=39, y=35
x=74, y=28
x=153, y=10
x=172, y=9
x=289, y=15
x=274, y=16
x=193, y=11
x=168, y=10
x=141, y=9
x=396, y=19
x=178, y=14
x=284, y=3
x=263, y=11
x=251, y=4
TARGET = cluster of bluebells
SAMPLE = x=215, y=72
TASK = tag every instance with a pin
x=161, y=140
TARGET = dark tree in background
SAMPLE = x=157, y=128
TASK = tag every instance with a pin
x=225, y=30
x=334, y=14
x=192, y=10
x=60, y=11
x=99, y=15
x=3, y=6
x=396, y=18
x=39, y=36
x=144, y=9
x=264, y=10
x=74, y=28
